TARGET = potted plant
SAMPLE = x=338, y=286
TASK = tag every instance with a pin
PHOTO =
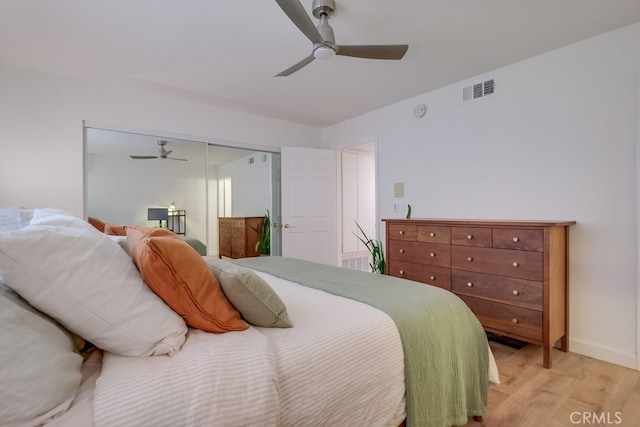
x=377, y=264
x=263, y=245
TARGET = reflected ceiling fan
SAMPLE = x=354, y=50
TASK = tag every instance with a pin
x=324, y=45
x=162, y=153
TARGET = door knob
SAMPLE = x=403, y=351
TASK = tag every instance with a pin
x=288, y=226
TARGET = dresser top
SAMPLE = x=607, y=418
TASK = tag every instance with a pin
x=486, y=222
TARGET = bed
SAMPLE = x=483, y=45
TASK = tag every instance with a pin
x=305, y=344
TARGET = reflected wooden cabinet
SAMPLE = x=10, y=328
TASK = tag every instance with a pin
x=237, y=239
x=512, y=274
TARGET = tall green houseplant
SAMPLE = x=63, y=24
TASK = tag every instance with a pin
x=263, y=245
x=377, y=264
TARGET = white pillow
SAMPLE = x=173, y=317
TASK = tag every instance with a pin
x=39, y=370
x=77, y=275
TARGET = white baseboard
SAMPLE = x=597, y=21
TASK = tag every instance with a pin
x=628, y=360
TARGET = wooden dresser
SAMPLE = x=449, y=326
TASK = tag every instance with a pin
x=236, y=237
x=512, y=274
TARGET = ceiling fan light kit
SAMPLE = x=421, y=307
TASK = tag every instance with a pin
x=323, y=39
x=323, y=52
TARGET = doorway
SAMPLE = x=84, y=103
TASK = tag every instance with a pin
x=357, y=204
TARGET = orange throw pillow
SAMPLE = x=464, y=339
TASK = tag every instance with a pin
x=115, y=230
x=99, y=225
x=181, y=277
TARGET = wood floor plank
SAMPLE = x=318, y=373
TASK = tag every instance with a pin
x=576, y=391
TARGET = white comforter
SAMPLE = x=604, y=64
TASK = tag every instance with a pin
x=341, y=363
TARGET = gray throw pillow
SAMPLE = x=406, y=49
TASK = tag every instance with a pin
x=40, y=370
x=256, y=301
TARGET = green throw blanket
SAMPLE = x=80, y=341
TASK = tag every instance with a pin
x=445, y=347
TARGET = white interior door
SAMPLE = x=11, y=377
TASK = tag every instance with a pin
x=309, y=205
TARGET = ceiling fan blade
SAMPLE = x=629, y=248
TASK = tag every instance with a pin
x=295, y=11
x=173, y=158
x=296, y=67
x=143, y=157
x=392, y=51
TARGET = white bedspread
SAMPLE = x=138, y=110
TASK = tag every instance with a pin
x=347, y=369
x=215, y=380
x=341, y=363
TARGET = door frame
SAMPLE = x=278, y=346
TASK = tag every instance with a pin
x=351, y=149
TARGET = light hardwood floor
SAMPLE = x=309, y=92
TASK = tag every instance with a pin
x=576, y=391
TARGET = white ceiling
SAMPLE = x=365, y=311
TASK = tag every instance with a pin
x=226, y=52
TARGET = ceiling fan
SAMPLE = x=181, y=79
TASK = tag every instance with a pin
x=162, y=153
x=324, y=45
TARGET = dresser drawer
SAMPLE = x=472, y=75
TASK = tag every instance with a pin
x=507, y=319
x=402, y=231
x=231, y=222
x=432, y=275
x=434, y=234
x=518, y=239
x=471, y=236
x=502, y=262
x=238, y=233
x=524, y=293
x=418, y=252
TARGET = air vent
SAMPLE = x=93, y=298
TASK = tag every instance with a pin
x=360, y=263
x=478, y=90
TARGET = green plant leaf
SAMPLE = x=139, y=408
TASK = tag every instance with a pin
x=378, y=264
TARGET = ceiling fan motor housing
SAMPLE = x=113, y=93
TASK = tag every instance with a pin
x=323, y=7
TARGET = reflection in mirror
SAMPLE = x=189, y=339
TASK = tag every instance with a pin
x=196, y=182
x=244, y=187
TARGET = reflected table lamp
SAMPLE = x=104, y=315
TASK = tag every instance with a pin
x=158, y=214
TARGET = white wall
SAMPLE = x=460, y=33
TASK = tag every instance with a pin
x=41, y=160
x=250, y=184
x=119, y=190
x=556, y=141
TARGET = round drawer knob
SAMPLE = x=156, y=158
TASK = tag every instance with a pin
x=401, y=231
x=432, y=277
x=514, y=320
x=516, y=240
x=515, y=264
x=469, y=259
x=432, y=254
x=401, y=272
x=432, y=234
x=401, y=251
x=469, y=284
x=515, y=292
x=469, y=237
